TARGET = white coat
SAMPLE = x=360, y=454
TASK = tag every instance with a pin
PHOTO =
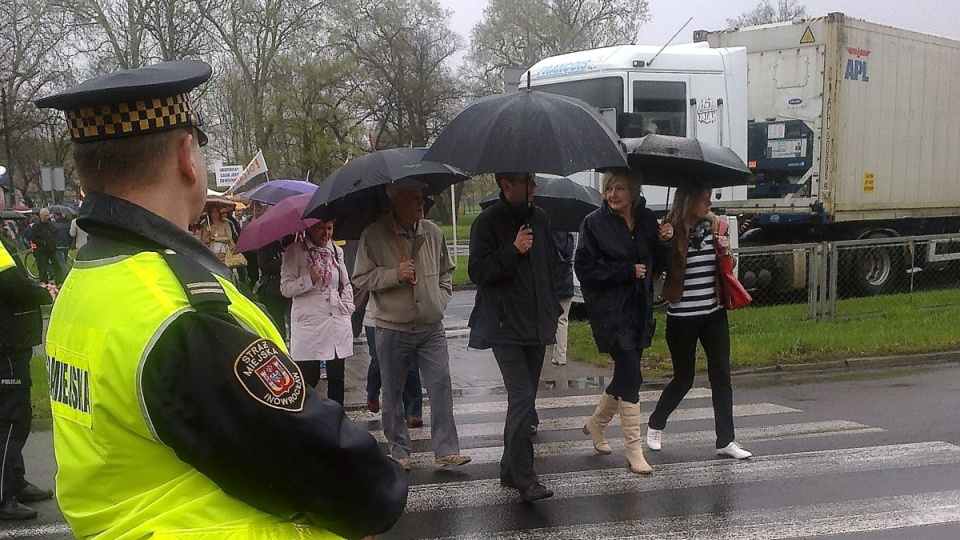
x=320, y=327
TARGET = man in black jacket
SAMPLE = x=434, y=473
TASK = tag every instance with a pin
x=511, y=261
x=21, y=325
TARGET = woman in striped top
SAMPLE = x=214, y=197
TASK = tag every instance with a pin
x=695, y=314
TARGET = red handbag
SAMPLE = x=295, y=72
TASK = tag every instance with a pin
x=732, y=293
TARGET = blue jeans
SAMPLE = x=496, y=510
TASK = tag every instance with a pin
x=412, y=391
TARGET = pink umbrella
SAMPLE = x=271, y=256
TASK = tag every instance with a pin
x=278, y=221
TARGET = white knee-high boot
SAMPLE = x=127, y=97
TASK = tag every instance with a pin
x=630, y=425
x=597, y=424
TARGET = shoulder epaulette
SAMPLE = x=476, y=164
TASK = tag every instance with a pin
x=202, y=289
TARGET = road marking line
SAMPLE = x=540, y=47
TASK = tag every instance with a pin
x=492, y=454
x=713, y=472
x=500, y=406
x=576, y=422
x=826, y=519
x=35, y=531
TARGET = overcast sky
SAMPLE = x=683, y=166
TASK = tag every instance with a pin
x=940, y=17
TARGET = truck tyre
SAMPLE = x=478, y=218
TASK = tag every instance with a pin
x=873, y=270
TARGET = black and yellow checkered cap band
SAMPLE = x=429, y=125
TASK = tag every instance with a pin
x=115, y=120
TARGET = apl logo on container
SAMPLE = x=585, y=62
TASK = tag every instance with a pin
x=857, y=69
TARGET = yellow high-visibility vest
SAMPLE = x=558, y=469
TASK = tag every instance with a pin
x=115, y=479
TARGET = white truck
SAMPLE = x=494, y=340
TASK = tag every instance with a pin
x=852, y=129
x=853, y=133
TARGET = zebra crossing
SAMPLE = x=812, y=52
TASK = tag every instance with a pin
x=832, y=486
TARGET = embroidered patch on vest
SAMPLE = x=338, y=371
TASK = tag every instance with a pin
x=270, y=376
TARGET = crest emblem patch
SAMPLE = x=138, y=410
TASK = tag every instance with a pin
x=270, y=376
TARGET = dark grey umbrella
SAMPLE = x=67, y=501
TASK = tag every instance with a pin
x=62, y=209
x=12, y=214
x=528, y=131
x=565, y=201
x=355, y=194
x=671, y=161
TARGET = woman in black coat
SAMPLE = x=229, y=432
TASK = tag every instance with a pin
x=621, y=250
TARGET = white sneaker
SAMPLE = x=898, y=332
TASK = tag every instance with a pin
x=654, y=437
x=559, y=362
x=733, y=450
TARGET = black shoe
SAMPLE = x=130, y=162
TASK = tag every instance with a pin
x=535, y=492
x=507, y=482
x=32, y=493
x=533, y=429
x=11, y=509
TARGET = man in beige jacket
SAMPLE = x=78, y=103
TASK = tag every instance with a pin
x=403, y=261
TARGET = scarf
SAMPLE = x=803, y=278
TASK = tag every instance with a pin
x=323, y=257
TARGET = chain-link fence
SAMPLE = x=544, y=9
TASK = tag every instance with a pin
x=855, y=277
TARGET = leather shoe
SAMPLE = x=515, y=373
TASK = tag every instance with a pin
x=32, y=493
x=535, y=492
x=415, y=422
x=533, y=429
x=11, y=509
x=373, y=405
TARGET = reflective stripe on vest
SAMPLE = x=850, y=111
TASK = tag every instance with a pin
x=114, y=478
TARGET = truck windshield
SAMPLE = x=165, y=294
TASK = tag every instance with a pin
x=662, y=105
x=602, y=93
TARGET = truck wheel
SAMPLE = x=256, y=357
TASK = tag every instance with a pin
x=873, y=270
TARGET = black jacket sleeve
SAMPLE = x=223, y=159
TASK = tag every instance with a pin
x=593, y=268
x=300, y=457
x=490, y=260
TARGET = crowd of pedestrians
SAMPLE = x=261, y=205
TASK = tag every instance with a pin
x=230, y=347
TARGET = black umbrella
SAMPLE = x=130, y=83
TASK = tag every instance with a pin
x=671, y=161
x=528, y=131
x=355, y=194
x=62, y=209
x=12, y=214
x=274, y=191
x=565, y=201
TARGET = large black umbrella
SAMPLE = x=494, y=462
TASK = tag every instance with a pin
x=671, y=161
x=565, y=201
x=62, y=209
x=12, y=214
x=528, y=131
x=355, y=194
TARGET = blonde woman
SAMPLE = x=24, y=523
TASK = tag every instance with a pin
x=696, y=314
x=216, y=233
x=621, y=249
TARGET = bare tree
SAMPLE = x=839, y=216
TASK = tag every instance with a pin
x=765, y=13
x=32, y=63
x=523, y=32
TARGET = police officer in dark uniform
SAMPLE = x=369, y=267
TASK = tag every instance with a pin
x=177, y=409
x=21, y=325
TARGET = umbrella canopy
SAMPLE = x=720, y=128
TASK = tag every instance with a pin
x=356, y=193
x=278, y=221
x=274, y=191
x=565, y=201
x=62, y=209
x=671, y=161
x=528, y=131
x=11, y=214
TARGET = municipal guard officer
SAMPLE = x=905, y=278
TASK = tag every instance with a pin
x=20, y=329
x=177, y=409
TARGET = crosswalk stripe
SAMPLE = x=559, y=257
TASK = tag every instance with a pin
x=492, y=454
x=711, y=472
x=576, y=422
x=35, y=531
x=833, y=519
x=500, y=406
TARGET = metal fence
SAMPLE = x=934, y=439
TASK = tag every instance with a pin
x=845, y=278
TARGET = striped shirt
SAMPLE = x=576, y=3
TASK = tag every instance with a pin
x=699, y=282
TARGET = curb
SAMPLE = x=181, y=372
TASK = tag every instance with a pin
x=866, y=362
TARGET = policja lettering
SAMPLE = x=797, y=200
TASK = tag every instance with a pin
x=69, y=385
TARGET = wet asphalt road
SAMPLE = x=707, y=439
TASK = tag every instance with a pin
x=837, y=454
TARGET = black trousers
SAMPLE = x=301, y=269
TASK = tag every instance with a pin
x=627, y=378
x=278, y=307
x=15, y=418
x=713, y=332
x=520, y=367
x=335, y=376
